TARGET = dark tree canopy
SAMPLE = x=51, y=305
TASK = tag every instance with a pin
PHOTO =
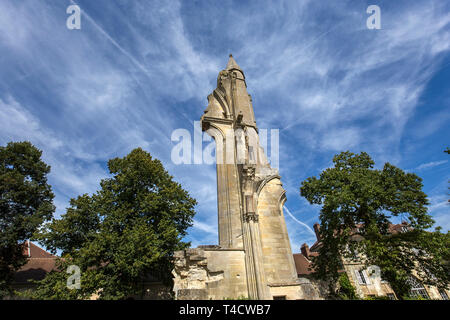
x=355, y=196
x=124, y=232
x=25, y=203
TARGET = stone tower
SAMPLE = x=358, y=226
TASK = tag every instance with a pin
x=254, y=257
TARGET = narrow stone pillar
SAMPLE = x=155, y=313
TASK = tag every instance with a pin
x=253, y=238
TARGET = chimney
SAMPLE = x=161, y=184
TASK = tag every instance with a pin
x=305, y=250
x=317, y=230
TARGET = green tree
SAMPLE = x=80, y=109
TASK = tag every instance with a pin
x=124, y=232
x=399, y=254
x=346, y=291
x=25, y=203
x=355, y=196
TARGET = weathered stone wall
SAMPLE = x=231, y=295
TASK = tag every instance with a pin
x=305, y=289
x=279, y=266
x=209, y=273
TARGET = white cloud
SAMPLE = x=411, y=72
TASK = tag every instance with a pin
x=212, y=229
x=345, y=74
x=431, y=164
x=67, y=174
x=17, y=123
x=312, y=69
x=439, y=209
x=341, y=140
x=437, y=203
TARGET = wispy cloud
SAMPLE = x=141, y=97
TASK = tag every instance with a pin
x=439, y=208
x=431, y=164
x=205, y=227
x=137, y=70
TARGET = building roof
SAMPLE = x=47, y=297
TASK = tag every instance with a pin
x=303, y=264
x=39, y=263
x=33, y=251
x=398, y=228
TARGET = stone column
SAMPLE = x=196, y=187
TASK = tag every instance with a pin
x=257, y=283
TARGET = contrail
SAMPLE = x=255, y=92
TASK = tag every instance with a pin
x=135, y=62
x=121, y=49
x=299, y=222
x=303, y=49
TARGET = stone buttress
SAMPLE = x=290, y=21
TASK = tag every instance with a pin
x=254, y=257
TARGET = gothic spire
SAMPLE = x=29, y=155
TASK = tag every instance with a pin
x=232, y=64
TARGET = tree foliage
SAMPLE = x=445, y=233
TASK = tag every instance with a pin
x=356, y=198
x=346, y=291
x=123, y=233
x=25, y=203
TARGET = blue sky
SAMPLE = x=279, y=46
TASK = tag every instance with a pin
x=138, y=70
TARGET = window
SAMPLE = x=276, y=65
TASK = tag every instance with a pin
x=417, y=289
x=391, y=296
x=419, y=293
x=362, y=277
x=279, y=297
x=443, y=294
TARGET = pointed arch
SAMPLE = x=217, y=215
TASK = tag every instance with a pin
x=265, y=181
x=281, y=201
x=223, y=103
x=219, y=137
